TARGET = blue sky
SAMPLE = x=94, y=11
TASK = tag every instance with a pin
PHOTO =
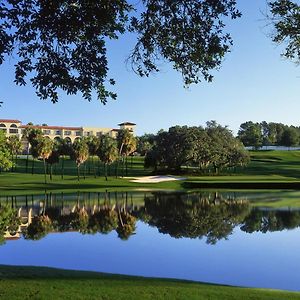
x=254, y=83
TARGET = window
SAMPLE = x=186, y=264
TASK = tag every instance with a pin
x=78, y=133
x=47, y=131
x=58, y=132
x=13, y=128
x=67, y=132
x=99, y=133
x=3, y=127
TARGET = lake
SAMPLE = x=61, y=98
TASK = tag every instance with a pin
x=236, y=238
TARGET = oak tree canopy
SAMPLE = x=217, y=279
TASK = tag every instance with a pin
x=61, y=44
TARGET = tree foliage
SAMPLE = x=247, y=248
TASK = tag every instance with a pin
x=80, y=153
x=6, y=162
x=62, y=45
x=108, y=151
x=285, y=16
x=204, y=148
x=251, y=134
x=290, y=137
x=261, y=134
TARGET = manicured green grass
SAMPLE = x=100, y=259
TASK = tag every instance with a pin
x=47, y=283
x=22, y=184
x=268, y=169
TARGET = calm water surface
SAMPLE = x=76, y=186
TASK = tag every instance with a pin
x=246, y=239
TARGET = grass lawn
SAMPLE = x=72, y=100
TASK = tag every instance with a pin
x=267, y=169
x=48, y=283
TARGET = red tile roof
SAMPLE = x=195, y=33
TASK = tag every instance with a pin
x=9, y=121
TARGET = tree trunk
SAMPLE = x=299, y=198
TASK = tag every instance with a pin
x=117, y=167
x=63, y=167
x=51, y=172
x=84, y=170
x=99, y=173
x=77, y=172
x=32, y=166
x=45, y=173
x=105, y=170
x=126, y=162
x=94, y=169
x=12, y=159
x=27, y=158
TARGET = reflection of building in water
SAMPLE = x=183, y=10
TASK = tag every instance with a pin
x=192, y=215
x=38, y=207
x=25, y=215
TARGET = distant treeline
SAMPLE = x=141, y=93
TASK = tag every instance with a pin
x=261, y=134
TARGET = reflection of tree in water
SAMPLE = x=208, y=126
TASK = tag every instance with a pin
x=39, y=227
x=9, y=221
x=104, y=221
x=208, y=215
x=126, y=226
x=79, y=219
x=195, y=217
x=271, y=220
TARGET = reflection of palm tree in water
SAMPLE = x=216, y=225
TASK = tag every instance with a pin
x=212, y=216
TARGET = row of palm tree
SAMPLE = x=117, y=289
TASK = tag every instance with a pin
x=108, y=149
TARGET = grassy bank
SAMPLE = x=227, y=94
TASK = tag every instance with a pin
x=48, y=283
x=267, y=170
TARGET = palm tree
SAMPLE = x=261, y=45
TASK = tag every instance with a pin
x=15, y=146
x=127, y=145
x=43, y=149
x=93, y=143
x=123, y=138
x=30, y=134
x=129, y=149
x=108, y=151
x=54, y=156
x=64, y=148
x=80, y=153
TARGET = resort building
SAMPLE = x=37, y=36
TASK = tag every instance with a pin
x=15, y=127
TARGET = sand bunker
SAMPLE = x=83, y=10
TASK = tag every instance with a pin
x=155, y=179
